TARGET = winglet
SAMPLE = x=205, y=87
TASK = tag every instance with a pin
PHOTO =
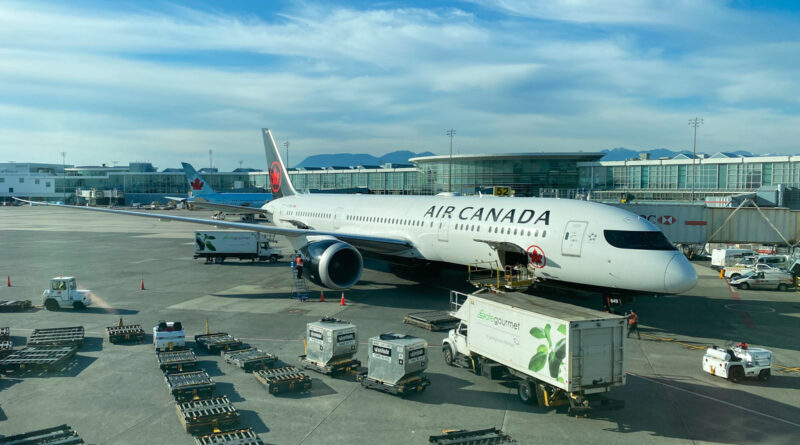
x=197, y=184
x=280, y=184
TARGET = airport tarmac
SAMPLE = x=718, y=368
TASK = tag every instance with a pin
x=115, y=394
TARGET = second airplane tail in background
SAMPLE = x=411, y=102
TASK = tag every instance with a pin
x=197, y=184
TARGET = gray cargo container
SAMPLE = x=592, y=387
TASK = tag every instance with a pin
x=395, y=357
x=330, y=346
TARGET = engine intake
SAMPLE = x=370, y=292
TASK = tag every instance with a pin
x=332, y=263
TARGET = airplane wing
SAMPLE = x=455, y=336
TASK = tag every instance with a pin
x=175, y=198
x=229, y=208
x=362, y=242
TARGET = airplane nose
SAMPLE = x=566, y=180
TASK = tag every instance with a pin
x=680, y=275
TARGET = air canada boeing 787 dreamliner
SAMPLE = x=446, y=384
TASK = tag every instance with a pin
x=568, y=242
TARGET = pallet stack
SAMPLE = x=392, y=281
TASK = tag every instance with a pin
x=47, y=349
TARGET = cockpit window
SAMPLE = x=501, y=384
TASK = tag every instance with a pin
x=625, y=239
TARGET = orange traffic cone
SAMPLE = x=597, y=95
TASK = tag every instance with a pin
x=322, y=296
x=8, y=282
x=141, y=285
x=341, y=303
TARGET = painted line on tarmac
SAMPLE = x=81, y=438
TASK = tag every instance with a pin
x=748, y=320
x=759, y=413
x=144, y=260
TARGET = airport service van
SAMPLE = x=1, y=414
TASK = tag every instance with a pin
x=765, y=279
x=559, y=353
x=721, y=258
x=216, y=246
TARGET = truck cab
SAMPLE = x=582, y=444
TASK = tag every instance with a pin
x=454, y=347
x=63, y=293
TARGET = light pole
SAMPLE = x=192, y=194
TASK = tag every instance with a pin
x=696, y=122
x=210, y=160
x=64, y=174
x=286, y=144
x=450, y=133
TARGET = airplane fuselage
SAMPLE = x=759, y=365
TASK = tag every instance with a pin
x=254, y=200
x=570, y=241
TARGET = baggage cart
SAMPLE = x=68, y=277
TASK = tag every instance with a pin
x=176, y=361
x=193, y=385
x=38, y=357
x=250, y=359
x=488, y=436
x=287, y=378
x=5, y=348
x=61, y=435
x=217, y=342
x=57, y=336
x=125, y=333
x=330, y=368
x=5, y=334
x=411, y=385
x=15, y=305
x=207, y=416
x=238, y=437
x=432, y=320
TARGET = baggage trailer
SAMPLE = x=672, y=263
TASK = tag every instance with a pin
x=560, y=353
x=5, y=348
x=61, y=435
x=401, y=388
x=217, y=342
x=5, y=334
x=238, y=437
x=176, y=361
x=208, y=415
x=250, y=359
x=486, y=436
x=432, y=320
x=125, y=333
x=15, y=305
x=287, y=378
x=38, y=357
x=186, y=386
x=330, y=345
x=57, y=336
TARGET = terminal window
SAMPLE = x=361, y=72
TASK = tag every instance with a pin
x=2, y=179
x=21, y=180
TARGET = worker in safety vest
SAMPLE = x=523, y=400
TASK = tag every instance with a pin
x=298, y=265
x=633, y=324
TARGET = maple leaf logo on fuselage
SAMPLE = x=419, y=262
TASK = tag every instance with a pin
x=197, y=184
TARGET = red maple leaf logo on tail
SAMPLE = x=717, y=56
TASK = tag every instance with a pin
x=197, y=184
x=275, y=177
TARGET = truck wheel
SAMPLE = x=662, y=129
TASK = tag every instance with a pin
x=764, y=375
x=219, y=260
x=525, y=392
x=782, y=287
x=744, y=286
x=51, y=305
x=736, y=374
x=78, y=305
x=448, y=355
x=273, y=259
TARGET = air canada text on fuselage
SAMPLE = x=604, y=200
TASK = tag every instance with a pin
x=490, y=214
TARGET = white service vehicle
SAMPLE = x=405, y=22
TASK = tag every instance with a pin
x=169, y=335
x=738, y=362
x=766, y=279
x=216, y=246
x=561, y=353
x=64, y=293
x=722, y=258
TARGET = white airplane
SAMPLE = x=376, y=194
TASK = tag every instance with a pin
x=568, y=242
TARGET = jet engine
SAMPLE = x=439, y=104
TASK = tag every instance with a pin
x=332, y=263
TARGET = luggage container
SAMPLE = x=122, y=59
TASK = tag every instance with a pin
x=207, y=416
x=125, y=333
x=61, y=435
x=330, y=346
x=287, y=378
x=238, y=437
x=396, y=363
x=176, y=361
x=193, y=385
x=250, y=359
x=38, y=357
x=217, y=342
x=57, y=336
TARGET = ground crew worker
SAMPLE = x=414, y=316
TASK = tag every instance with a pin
x=633, y=324
x=298, y=265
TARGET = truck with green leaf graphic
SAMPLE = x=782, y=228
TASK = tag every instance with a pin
x=216, y=246
x=559, y=353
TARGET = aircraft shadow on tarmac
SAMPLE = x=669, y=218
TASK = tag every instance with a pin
x=227, y=389
x=253, y=420
x=683, y=409
x=211, y=367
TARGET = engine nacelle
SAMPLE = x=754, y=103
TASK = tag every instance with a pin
x=332, y=263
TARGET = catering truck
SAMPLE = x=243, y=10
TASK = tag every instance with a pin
x=216, y=246
x=558, y=353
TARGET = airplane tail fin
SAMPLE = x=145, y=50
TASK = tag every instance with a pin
x=280, y=185
x=197, y=184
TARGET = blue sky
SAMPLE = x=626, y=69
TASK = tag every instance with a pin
x=166, y=81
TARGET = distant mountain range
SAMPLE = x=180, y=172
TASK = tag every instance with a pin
x=350, y=159
x=621, y=154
